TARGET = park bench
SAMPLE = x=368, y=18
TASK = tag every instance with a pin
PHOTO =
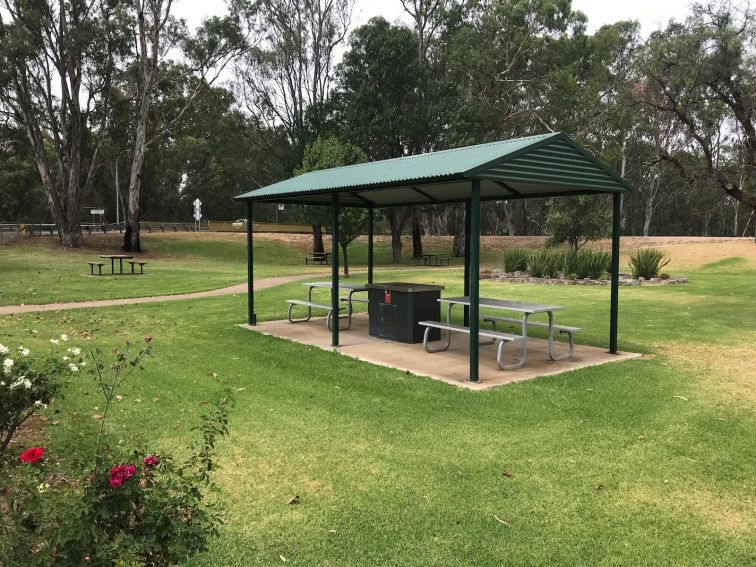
x=140, y=264
x=443, y=260
x=92, y=266
x=503, y=338
x=564, y=329
x=310, y=305
x=317, y=258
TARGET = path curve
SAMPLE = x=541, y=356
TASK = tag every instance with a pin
x=263, y=283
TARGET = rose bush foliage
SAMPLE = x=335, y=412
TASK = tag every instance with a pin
x=28, y=383
x=125, y=508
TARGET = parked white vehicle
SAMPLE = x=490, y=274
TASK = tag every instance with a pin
x=239, y=223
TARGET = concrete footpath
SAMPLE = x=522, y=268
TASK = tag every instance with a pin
x=231, y=290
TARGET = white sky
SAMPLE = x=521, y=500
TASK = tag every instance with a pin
x=652, y=14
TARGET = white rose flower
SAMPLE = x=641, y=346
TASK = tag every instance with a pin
x=73, y=367
x=54, y=341
x=2, y=383
x=7, y=365
x=64, y=337
x=76, y=351
x=23, y=351
x=65, y=358
x=39, y=404
x=83, y=363
x=3, y=349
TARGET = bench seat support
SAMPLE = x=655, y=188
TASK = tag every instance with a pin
x=503, y=338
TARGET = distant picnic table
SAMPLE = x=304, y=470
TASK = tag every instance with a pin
x=113, y=258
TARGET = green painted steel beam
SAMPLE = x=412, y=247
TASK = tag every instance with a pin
x=614, y=299
x=335, y=271
x=474, y=279
x=466, y=310
x=251, y=316
x=370, y=245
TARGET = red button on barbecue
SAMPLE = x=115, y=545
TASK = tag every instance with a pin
x=386, y=297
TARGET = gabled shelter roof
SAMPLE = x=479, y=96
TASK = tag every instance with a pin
x=535, y=166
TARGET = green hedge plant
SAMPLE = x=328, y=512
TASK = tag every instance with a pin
x=647, y=262
x=515, y=260
x=545, y=263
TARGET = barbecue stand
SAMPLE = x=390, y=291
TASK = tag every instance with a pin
x=395, y=308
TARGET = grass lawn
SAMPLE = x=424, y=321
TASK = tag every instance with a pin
x=647, y=462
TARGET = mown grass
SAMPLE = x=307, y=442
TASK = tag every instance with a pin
x=39, y=273
x=638, y=463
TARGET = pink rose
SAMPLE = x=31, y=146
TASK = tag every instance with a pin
x=120, y=474
x=151, y=461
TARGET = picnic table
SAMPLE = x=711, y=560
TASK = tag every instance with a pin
x=523, y=309
x=431, y=257
x=113, y=258
x=310, y=304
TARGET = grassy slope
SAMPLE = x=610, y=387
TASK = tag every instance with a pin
x=35, y=273
x=400, y=470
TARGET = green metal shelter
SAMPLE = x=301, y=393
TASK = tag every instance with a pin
x=548, y=165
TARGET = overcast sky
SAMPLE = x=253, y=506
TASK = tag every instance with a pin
x=652, y=14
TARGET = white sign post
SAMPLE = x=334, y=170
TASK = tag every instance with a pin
x=197, y=214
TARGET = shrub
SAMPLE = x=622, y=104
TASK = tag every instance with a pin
x=545, y=263
x=28, y=384
x=647, y=262
x=587, y=263
x=122, y=507
x=515, y=260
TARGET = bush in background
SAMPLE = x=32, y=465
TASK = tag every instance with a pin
x=515, y=260
x=647, y=262
x=586, y=263
x=545, y=263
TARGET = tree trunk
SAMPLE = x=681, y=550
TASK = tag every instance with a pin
x=647, y=217
x=417, y=238
x=346, y=260
x=317, y=238
x=458, y=245
x=397, y=219
x=509, y=220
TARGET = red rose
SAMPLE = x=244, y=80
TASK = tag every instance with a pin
x=148, y=339
x=120, y=474
x=151, y=461
x=32, y=455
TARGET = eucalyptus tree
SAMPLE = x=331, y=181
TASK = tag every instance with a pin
x=377, y=101
x=205, y=54
x=284, y=79
x=700, y=74
x=325, y=153
x=58, y=62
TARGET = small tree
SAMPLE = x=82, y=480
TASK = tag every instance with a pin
x=325, y=153
x=577, y=220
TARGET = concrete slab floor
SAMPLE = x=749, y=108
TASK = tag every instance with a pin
x=451, y=366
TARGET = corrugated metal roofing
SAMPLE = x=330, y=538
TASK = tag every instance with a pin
x=535, y=166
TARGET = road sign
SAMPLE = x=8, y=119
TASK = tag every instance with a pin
x=197, y=203
x=98, y=211
x=197, y=215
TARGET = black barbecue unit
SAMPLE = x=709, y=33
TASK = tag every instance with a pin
x=394, y=309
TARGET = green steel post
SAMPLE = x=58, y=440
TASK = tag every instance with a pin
x=335, y=271
x=614, y=310
x=251, y=317
x=370, y=246
x=474, y=277
x=467, y=261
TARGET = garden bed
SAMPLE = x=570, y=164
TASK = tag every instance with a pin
x=625, y=279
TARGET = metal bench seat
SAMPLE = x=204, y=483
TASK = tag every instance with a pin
x=310, y=305
x=450, y=328
x=564, y=329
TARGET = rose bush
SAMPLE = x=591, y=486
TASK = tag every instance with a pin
x=29, y=383
x=126, y=507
